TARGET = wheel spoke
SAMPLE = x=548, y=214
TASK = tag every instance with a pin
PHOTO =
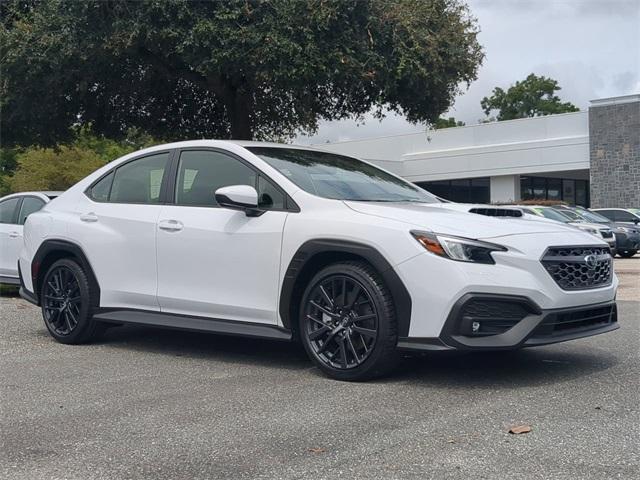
x=355, y=294
x=361, y=318
x=352, y=348
x=343, y=352
x=53, y=298
x=323, y=309
x=331, y=336
x=326, y=296
x=319, y=332
x=367, y=332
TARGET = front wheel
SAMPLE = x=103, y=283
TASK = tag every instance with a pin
x=627, y=253
x=66, y=301
x=347, y=322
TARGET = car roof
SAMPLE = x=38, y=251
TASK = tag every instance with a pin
x=46, y=193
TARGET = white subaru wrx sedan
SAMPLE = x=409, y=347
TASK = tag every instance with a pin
x=284, y=242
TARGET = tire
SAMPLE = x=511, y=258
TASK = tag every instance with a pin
x=66, y=304
x=347, y=322
x=627, y=253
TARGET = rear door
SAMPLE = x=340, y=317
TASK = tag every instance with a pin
x=116, y=228
x=215, y=262
x=10, y=237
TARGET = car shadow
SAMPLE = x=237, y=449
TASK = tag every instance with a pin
x=512, y=369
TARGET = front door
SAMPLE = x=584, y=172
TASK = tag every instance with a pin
x=214, y=262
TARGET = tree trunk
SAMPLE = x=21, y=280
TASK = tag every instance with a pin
x=238, y=109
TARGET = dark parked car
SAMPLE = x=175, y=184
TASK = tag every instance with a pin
x=627, y=232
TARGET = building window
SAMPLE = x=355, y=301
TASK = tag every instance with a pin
x=568, y=190
x=468, y=190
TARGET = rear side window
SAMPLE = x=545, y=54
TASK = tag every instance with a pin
x=610, y=214
x=622, y=216
x=138, y=181
x=8, y=210
x=29, y=206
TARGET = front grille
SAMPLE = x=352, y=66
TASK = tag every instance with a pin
x=606, y=233
x=576, y=321
x=579, y=268
x=491, y=317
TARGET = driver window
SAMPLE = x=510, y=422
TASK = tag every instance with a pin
x=201, y=173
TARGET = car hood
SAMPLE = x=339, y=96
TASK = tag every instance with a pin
x=440, y=219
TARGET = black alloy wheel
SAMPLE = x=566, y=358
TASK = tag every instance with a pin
x=342, y=322
x=66, y=299
x=347, y=322
x=62, y=302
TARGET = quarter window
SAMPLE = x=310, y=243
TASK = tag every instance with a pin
x=100, y=191
x=29, y=206
x=138, y=181
x=8, y=210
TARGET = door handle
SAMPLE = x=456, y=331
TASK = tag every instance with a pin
x=170, y=225
x=89, y=217
x=14, y=235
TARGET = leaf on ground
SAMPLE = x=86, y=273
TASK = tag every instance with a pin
x=520, y=429
x=316, y=450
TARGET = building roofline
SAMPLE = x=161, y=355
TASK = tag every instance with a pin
x=601, y=102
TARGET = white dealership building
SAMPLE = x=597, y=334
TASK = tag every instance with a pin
x=588, y=158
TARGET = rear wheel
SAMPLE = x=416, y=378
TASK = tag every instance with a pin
x=66, y=300
x=627, y=253
x=348, y=324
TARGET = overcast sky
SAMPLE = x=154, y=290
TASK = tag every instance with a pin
x=592, y=47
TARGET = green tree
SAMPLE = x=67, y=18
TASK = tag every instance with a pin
x=447, y=123
x=58, y=168
x=227, y=69
x=532, y=97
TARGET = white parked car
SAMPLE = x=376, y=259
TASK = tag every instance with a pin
x=559, y=214
x=285, y=242
x=14, y=210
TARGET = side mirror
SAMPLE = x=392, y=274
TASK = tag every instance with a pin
x=239, y=197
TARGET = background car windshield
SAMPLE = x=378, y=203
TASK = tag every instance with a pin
x=593, y=217
x=552, y=214
x=344, y=178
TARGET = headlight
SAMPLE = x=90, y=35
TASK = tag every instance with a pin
x=592, y=231
x=623, y=229
x=458, y=248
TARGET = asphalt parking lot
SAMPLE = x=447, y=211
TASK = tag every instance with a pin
x=155, y=404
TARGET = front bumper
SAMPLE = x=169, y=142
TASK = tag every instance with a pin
x=508, y=322
x=627, y=241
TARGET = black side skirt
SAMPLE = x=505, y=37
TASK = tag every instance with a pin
x=198, y=324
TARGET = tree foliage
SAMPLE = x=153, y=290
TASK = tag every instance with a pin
x=59, y=167
x=532, y=97
x=227, y=69
x=447, y=123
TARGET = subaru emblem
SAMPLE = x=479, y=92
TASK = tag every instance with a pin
x=591, y=261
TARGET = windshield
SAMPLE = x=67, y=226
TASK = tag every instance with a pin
x=552, y=214
x=635, y=211
x=593, y=217
x=343, y=178
x=570, y=214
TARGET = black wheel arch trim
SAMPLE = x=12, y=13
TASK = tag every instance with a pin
x=70, y=249
x=312, y=248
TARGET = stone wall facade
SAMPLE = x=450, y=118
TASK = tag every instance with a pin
x=614, y=147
